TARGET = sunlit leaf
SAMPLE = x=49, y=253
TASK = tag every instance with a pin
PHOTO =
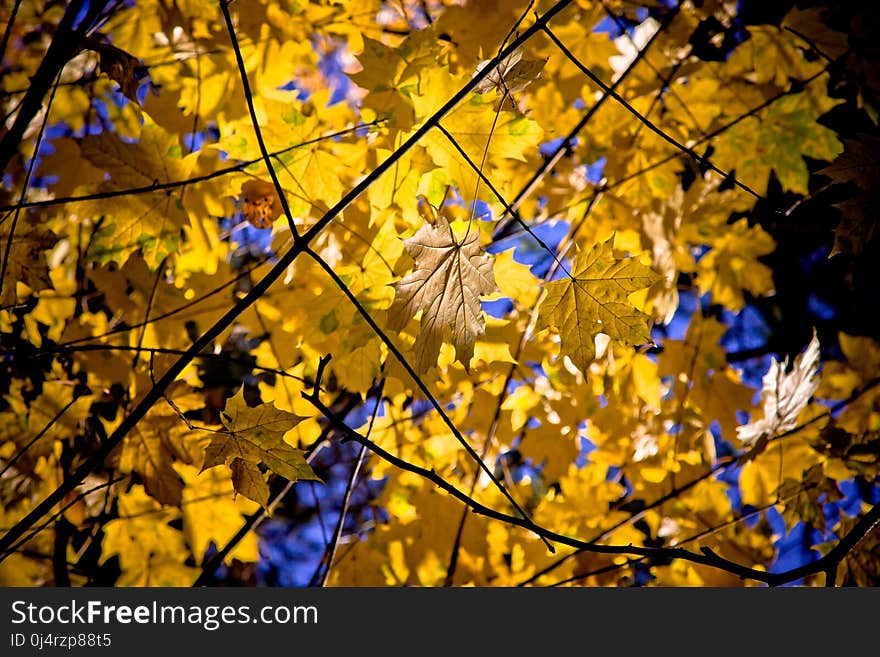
x=254, y=436
x=594, y=299
x=785, y=394
x=451, y=273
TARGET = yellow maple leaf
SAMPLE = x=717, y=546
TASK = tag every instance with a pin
x=513, y=138
x=212, y=514
x=255, y=435
x=516, y=279
x=26, y=262
x=389, y=74
x=151, y=221
x=151, y=552
x=733, y=265
x=594, y=300
x=445, y=286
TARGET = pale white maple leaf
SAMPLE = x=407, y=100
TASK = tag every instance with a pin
x=630, y=45
x=785, y=395
x=511, y=75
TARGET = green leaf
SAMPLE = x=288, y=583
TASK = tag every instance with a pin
x=778, y=139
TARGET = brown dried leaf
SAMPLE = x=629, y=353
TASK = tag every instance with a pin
x=445, y=286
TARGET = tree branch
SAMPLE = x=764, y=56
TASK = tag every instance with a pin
x=606, y=533
x=705, y=557
x=7, y=249
x=33, y=441
x=207, y=355
x=174, y=184
x=320, y=577
x=496, y=416
x=209, y=567
x=65, y=43
x=7, y=31
x=507, y=207
x=795, y=87
x=647, y=122
x=249, y=99
x=280, y=267
x=568, y=140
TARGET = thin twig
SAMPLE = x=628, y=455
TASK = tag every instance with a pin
x=606, y=533
x=567, y=141
x=64, y=44
x=279, y=268
x=24, y=187
x=646, y=121
x=12, y=548
x=254, y=520
x=174, y=184
x=207, y=355
x=706, y=556
x=718, y=467
x=496, y=416
x=7, y=31
x=330, y=552
x=507, y=206
x=795, y=87
x=21, y=452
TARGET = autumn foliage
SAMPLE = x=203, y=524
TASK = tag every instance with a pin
x=485, y=255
